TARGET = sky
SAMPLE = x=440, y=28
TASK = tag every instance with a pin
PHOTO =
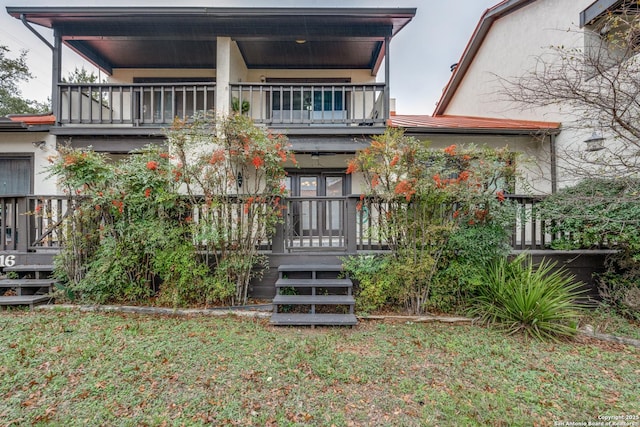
x=421, y=54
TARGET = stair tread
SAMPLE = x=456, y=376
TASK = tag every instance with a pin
x=313, y=319
x=314, y=299
x=310, y=267
x=314, y=283
x=30, y=267
x=23, y=299
x=26, y=282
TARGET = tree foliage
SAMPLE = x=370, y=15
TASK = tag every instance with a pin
x=13, y=71
x=422, y=201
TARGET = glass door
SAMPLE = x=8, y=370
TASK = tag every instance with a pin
x=316, y=209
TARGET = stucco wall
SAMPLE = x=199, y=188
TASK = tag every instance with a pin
x=510, y=49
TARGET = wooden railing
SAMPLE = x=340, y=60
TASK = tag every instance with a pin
x=311, y=104
x=346, y=224
x=136, y=104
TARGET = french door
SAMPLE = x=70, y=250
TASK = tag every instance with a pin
x=317, y=208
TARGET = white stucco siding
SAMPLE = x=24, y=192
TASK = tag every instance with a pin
x=510, y=50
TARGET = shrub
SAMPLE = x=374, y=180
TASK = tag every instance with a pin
x=538, y=301
x=599, y=212
x=375, y=287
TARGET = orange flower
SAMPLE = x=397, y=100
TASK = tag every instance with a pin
x=438, y=181
x=375, y=181
x=164, y=155
x=359, y=206
x=451, y=150
x=352, y=167
x=147, y=193
x=38, y=208
x=257, y=161
x=152, y=165
x=500, y=196
x=216, y=157
x=463, y=176
x=395, y=160
x=405, y=188
x=456, y=214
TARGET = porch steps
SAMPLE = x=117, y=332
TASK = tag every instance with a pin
x=32, y=286
x=300, y=289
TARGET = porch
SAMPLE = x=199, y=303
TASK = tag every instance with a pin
x=315, y=231
x=326, y=224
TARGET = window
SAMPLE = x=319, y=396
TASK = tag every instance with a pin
x=15, y=175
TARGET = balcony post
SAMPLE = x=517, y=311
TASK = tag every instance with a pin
x=387, y=78
x=351, y=224
x=223, y=76
x=56, y=74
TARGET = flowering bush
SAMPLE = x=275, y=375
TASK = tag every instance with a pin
x=126, y=218
x=233, y=173
x=428, y=197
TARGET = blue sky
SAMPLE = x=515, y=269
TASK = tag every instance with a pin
x=421, y=53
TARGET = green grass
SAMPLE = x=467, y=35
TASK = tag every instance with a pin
x=71, y=368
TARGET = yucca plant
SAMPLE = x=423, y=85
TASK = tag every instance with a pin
x=540, y=301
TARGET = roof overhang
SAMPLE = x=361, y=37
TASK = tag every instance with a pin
x=184, y=37
x=596, y=9
x=463, y=125
x=26, y=123
x=473, y=46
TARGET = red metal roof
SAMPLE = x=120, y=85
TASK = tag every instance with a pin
x=33, y=119
x=468, y=123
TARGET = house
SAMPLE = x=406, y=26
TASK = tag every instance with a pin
x=313, y=74
x=511, y=39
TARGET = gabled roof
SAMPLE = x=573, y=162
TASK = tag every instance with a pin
x=464, y=124
x=477, y=38
x=184, y=37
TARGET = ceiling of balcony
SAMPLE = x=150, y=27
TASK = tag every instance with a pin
x=308, y=38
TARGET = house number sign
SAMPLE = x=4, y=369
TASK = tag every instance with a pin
x=7, y=260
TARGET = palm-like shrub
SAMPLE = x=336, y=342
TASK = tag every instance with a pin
x=537, y=300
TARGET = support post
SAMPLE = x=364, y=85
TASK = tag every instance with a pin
x=387, y=76
x=351, y=224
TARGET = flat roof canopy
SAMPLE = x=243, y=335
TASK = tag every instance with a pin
x=142, y=37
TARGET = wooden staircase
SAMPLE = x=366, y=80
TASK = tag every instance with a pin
x=313, y=295
x=32, y=286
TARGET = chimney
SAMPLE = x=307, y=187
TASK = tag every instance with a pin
x=392, y=106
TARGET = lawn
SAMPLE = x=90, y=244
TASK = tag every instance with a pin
x=72, y=368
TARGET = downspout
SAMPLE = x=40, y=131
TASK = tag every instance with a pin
x=554, y=163
x=56, y=66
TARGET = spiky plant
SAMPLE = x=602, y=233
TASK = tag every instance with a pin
x=540, y=301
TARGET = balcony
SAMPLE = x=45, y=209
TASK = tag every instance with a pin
x=301, y=104
x=135, y=104
x=272, y=104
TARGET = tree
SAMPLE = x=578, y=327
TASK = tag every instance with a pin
x=598, y=87
x=81, y=75
x=12, y=72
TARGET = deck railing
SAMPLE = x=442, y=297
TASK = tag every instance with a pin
x=136, y=104
x=311, y=104
x=346, y=224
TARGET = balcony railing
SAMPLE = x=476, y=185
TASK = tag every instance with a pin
x=311, y=223
x=136, y=104
x=311, y=104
